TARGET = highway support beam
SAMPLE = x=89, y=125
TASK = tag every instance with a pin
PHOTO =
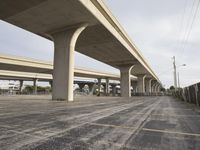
x=63, y=72
x=141, y=84
x=125, y=80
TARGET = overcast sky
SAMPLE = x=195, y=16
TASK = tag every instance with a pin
x=157, y=27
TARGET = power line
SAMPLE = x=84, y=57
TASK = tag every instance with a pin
x=181, y=24
x=182, y=39
x=191, y=26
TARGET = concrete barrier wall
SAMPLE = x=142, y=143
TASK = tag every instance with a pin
x=148, y=94
x=189, y=94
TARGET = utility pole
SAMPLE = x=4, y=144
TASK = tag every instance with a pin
x=175, y=77
x=178, y=81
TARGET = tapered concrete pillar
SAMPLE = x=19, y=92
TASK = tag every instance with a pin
x=35, y=86
x=81, y=86
x=91, y=88
x=153, y=89
x=134, y=85
x=107, y=90
x=152, y=86
x=51, y=83
x=99, y=87
x=63, y=73
x=20, y=86
x=125, y=81
x=114, y=89
x=158, y=88
x=148, y=85
x=141, y=84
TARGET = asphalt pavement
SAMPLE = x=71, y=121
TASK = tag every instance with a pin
x=98, y=123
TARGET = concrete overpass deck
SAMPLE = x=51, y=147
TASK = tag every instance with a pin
x=26, y=68
x=104, y=39
x=158, y=123
x=28, y=76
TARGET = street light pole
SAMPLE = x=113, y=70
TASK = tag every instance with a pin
x=179, y=84
x=175, y=77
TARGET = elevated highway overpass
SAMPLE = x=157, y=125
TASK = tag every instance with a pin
x=86, y=26
x=21, y=68
x=26, y=69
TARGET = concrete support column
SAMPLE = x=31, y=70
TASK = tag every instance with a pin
x=20, y=86
x=81, y=86
x=125, y=84
x=114, y=90
x=141, y=84
x=51, y=83
x=91, y=88
x=148, y=86
x=157, y=88
x=107, y=90
x=63, y=73
x=134, y=85
x=35, y=86
x=153, y=89
x=99, y=87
